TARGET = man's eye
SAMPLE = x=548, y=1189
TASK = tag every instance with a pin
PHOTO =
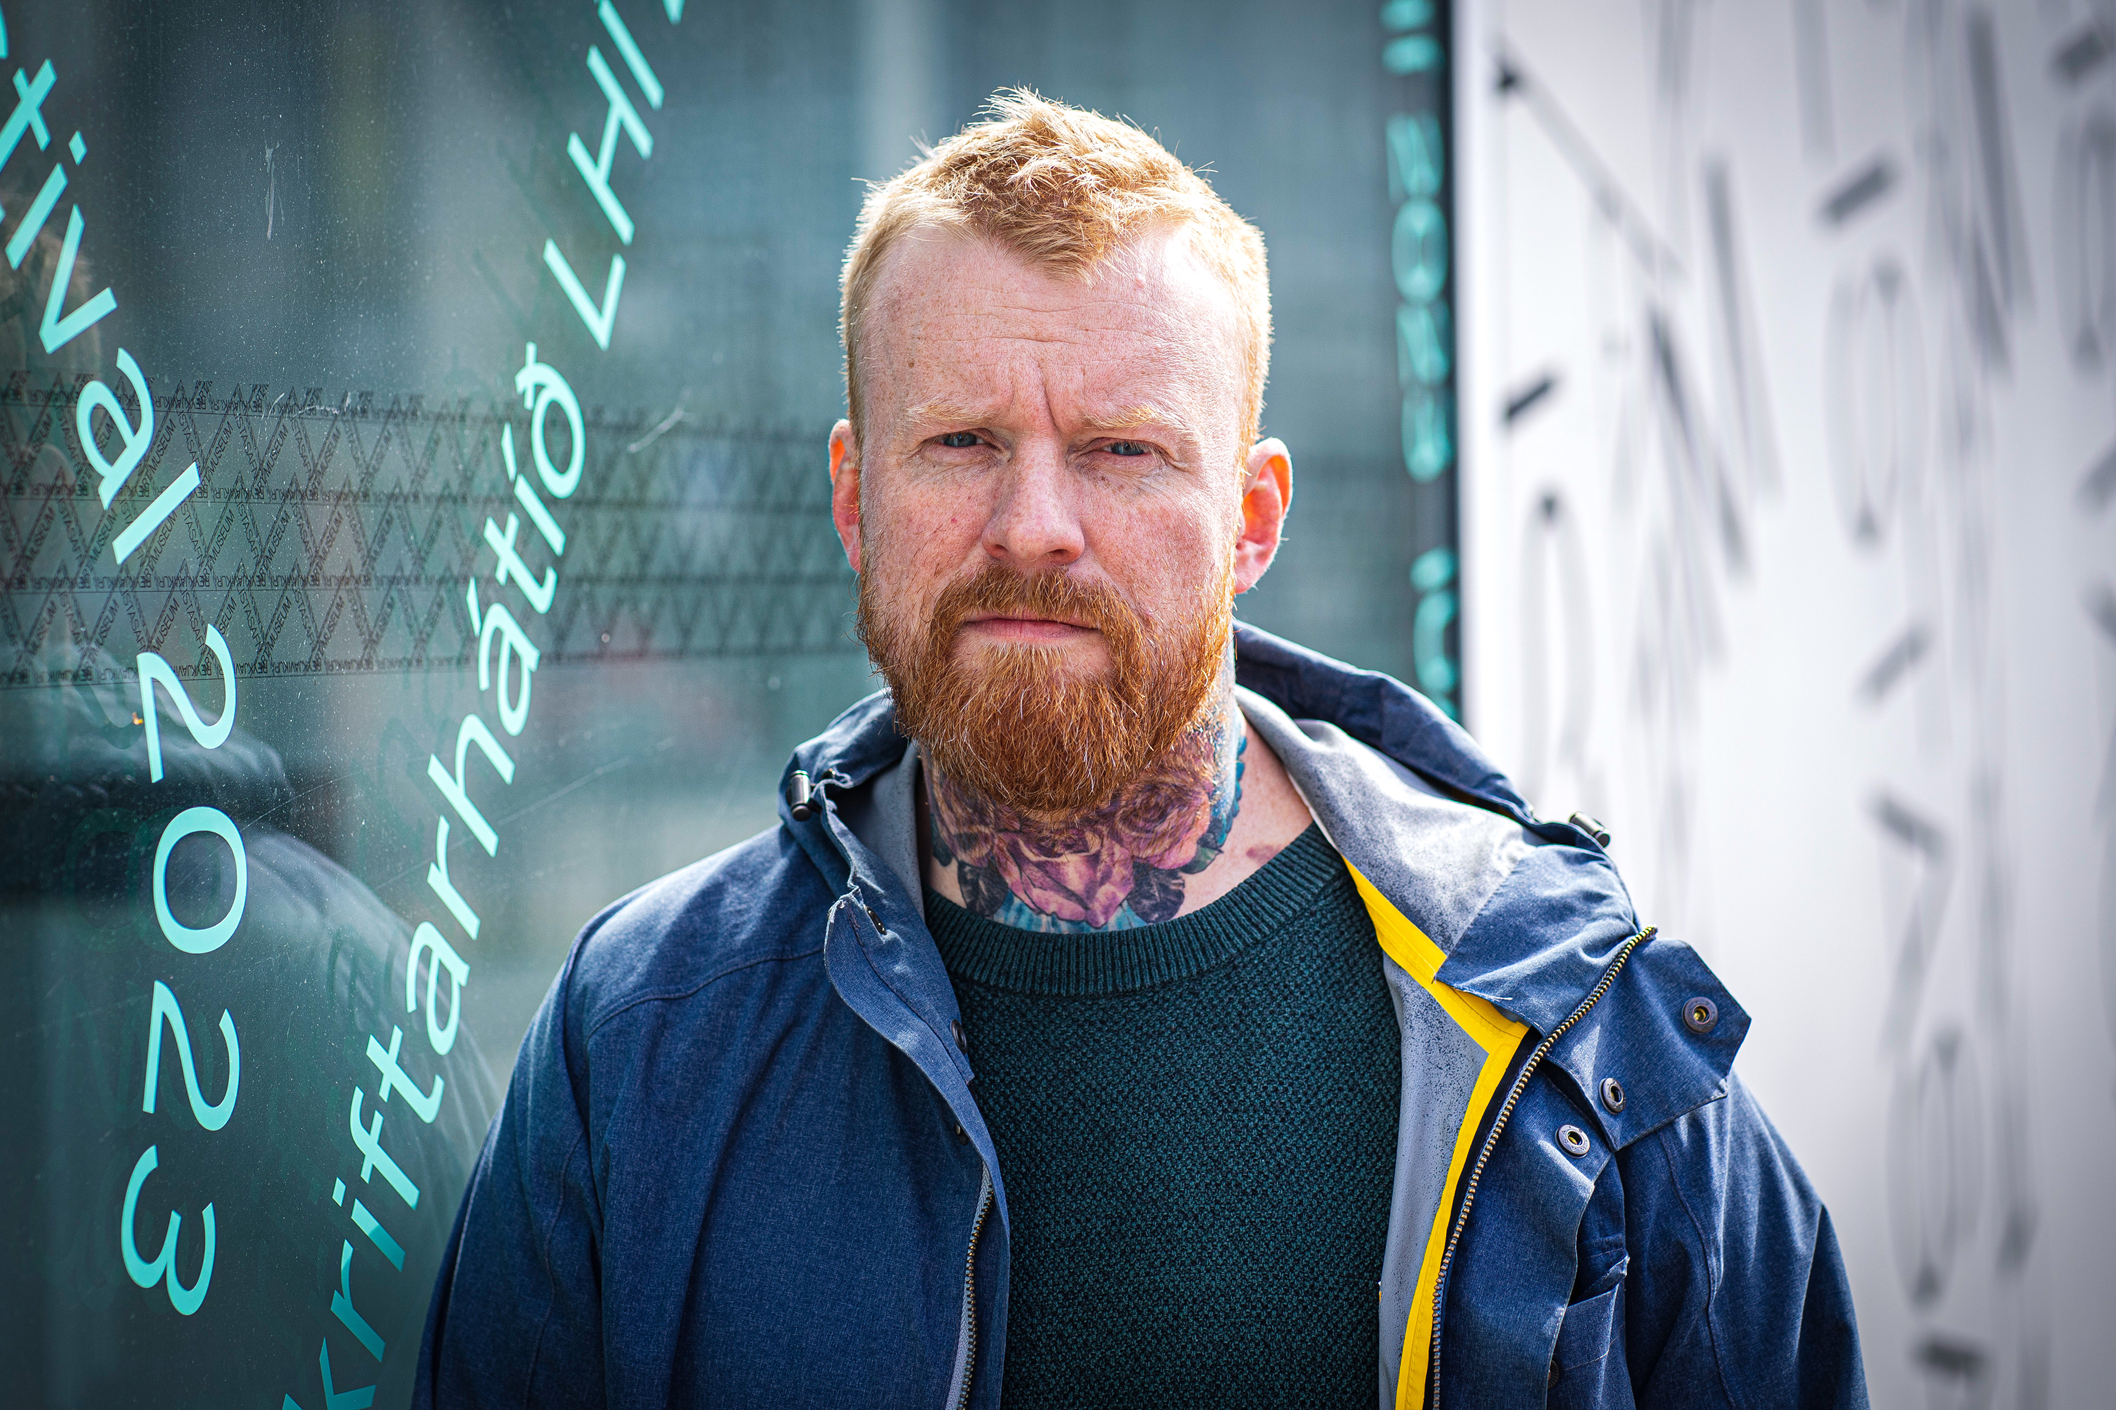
x=960, y=440
x=1126, y=448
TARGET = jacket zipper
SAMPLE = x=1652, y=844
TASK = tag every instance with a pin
x=969, y=1297
x=1513, y=1096
x=984, y=1197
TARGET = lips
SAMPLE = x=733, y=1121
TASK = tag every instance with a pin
x=1023, y=629
x=1006, y=619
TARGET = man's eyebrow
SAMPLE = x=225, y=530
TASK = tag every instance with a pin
x=1133, y=417
x=943, y=411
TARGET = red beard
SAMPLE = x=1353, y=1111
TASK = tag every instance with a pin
x=1022, y=730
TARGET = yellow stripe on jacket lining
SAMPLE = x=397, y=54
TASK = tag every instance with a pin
x=1492, y=1031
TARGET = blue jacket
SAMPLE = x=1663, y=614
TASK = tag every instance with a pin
x=741, y=1163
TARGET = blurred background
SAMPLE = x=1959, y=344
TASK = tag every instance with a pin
x=1789, y=339
x=1711, y=405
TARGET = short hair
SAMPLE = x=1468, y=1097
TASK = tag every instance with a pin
x=1066, y=189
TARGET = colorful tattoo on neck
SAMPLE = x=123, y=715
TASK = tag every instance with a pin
x=1124, y=864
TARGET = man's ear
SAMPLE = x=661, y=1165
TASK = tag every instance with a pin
x=845, y=490
x=1267, y=493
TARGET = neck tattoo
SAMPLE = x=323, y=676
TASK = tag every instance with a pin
x=1123, y=864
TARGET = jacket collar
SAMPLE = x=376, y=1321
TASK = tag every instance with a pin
x=1368, y=706
x=1543, y=936
x=1533, y=945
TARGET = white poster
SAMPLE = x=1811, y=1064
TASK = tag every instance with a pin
x=1788, y=382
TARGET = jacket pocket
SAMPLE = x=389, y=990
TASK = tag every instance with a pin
x=1587, y=1368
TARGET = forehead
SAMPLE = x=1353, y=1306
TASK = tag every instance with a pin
x=955, y=314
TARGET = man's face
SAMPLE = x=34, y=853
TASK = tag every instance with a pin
x=1057, y=466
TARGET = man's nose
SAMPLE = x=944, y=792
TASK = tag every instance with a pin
x=1035, y=523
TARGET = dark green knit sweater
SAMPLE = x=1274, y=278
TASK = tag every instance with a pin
x=1196, y=1124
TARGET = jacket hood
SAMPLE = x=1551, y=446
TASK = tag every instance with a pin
x=1376, y=709
x=1532, y=942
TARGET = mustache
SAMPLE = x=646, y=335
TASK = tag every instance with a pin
x=1054, y=594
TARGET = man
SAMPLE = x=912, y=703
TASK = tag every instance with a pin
x=1130, y=1009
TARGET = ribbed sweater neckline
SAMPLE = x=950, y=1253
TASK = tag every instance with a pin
x=1099, y=963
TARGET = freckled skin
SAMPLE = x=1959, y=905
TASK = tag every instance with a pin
x=1038, y=421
